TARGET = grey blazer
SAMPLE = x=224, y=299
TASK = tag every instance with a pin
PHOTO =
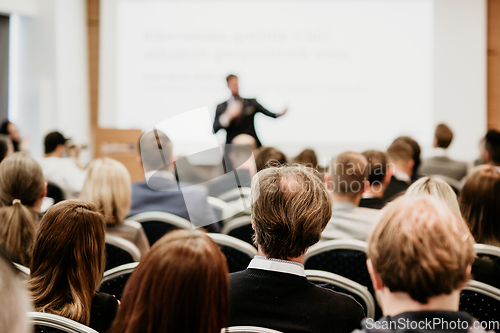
x=444, y=166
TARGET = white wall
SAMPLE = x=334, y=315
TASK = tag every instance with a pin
x=460, y=72
x=51, y=88
x=23, y=7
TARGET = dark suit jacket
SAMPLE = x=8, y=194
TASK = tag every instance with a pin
x=373, y=203
x=171, y=200
x=444, y=166
x=394, y=189
x=244, y=125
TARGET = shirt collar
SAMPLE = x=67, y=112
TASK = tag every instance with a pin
x=400, y=175
x=277, y=265
x=441, y=152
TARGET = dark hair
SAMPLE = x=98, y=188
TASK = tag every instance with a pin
x=4, y=129
x=155, y=149
x=5, y=142
x=181, y=285
x=68, y=260
x=308, y=158
x=479, y=204
x=290, y=209
x=443, y=136
x=53, y=140
x=416, y=152
x=377, y=165
x=492, y=145
x=269, y=156
x=230, y=77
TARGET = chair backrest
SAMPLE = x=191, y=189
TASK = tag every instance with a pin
x=220, y=207
x=240, y=227
x=25, y=271
x=235, y=193
x=57, y=322
x=248, y=329
x=157, y=224
x=120, y=251
x=114, y=280
x=482, y=301
x=346, y=286
x=490, y=251
x=238, y=253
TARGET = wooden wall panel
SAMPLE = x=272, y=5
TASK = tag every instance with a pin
x=493, y=63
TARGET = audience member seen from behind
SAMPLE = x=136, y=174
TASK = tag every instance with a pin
x=379, y=177
x=12, y=131
x=108, y=185
x=14, y=303
x=160, y=190
x=269, y=156
x=440, y=163
x=419, y=258
x=435, y=187
x=6, y=147
x=181, y=285
x=68, y=265
x=401, y=159
x=480, y=209
x=308, y=158
x=416, y=156
x=492, y=148
x=22, y=189
x=66, y=173
x=347, y=181
x=290, y=208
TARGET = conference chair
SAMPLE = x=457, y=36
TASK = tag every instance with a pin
x=482, y=301
x=120, y=251
x=248, y=329
x=240, y=227
x=61, y=324
x=488, y=251
x=114, y=280
x=235, y=193
x=25, y=271
x=346, y=286
x=220, y=207
x=238, y=253
x=157, y=224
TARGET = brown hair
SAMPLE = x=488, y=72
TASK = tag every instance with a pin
x=348, y=174
x=109, y=186
x=290, y=209
x=377, y=165
x=443, y=136
x=269, y=156
x=181, y=285
x=492, y=146
x=307, y=158
x=420, y=247
x=230, y=77
x=479, y=204
x=400, y=151
x=415, y=147
x=21, y=185
x=68, y=260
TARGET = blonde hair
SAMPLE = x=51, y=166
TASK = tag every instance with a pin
x=420, y=247
x=108, y=185
x=437, y=188
x=290, y=209
x=68, y=260
x=21, y=185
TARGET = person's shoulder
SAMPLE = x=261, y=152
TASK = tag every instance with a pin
x=345, y=304
x=103, y=300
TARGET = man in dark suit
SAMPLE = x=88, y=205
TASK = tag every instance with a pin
x=440, y=163
x=237, y=114
x=290, y=209
x=162, y=192
x=400, y=156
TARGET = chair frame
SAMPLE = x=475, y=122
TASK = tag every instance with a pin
x=248, y=329
x=124, y=245
x=347, y=284
x=483, y=288
x=58, y=322
x=25, y=271
x=235, y=243
x=236, y=223
x=336, y=244
x=487, y=249
x=172, y=219
x=220, y=205
x=235, y=193
x=117, y=271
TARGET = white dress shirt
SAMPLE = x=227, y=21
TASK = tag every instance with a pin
x=277, y=265
x=63, y=172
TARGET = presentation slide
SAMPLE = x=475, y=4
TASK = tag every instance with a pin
x=356, y=72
